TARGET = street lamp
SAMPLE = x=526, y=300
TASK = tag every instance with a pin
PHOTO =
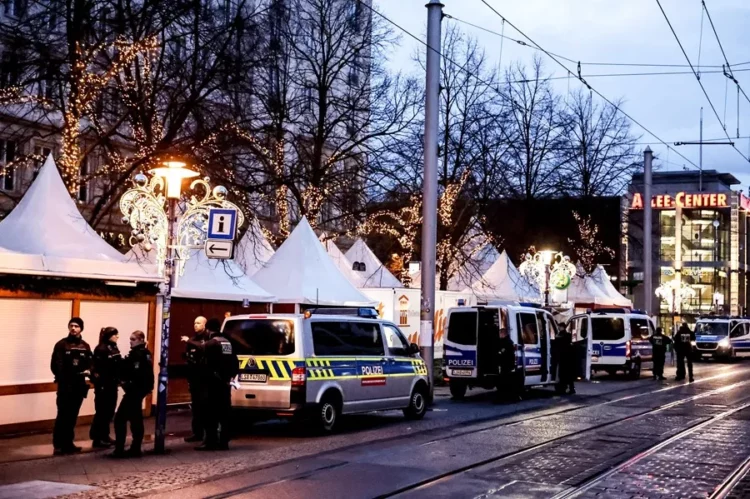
x=674, y=293
x=548, y=266
x=143, y=208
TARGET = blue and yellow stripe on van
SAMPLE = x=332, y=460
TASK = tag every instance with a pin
x=326, y=368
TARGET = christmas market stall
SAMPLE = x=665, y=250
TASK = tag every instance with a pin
x=54, y=266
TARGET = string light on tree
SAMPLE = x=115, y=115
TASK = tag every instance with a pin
x=588, y=247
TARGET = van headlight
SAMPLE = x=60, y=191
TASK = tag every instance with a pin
x=724, y=343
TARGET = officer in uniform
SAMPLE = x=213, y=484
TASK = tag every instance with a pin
x=659, y=344
x=566, y=361
x=221, y=365
x=71, y=361
x=194, y=356
x=507, y=365
x=137, y=380
x=684, y=348
x=105, y=376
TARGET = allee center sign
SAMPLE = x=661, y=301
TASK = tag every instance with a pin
x=683, y=200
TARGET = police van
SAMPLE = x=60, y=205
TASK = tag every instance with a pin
x=470, y=346
x=722, y=337
x=323, y=364
x=618, y=339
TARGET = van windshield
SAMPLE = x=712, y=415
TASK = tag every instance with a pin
x=712, y=328
x=607, y=328
x=260, y=336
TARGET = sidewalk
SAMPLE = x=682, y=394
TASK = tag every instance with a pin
x=39, y=445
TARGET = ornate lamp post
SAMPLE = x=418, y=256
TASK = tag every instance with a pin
x=674, y=293
x=150, y=208
x=548, y=267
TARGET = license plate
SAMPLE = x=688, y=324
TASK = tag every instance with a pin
x=706, y=355
x=253, y=378
x=461, y=372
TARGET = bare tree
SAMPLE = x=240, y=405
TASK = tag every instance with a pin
x=600, y=155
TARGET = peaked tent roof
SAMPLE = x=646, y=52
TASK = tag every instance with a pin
x=503, y=281
x=342, y=262
x=302, y=272
x=600, y=277
x=209, y=279
x=583, y=290
x=376, y=275
x=47, y=228
x=253, y=250
x=472, y=271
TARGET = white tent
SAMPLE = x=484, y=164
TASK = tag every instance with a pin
x=602, y=280
x=342, y=262
x=584, y=291
x=503, y=281
x=472, y=271
x=375, y=275
x=301, y=272
x=253, y=251
x=47, y=235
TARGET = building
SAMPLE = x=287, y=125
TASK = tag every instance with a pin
x=699, y=236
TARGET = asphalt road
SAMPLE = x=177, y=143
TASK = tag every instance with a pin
x=615, y=438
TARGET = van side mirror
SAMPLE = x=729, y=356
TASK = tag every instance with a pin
x=413, y=348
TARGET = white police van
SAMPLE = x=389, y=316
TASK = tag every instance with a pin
x=722, y=337
x=325, y=363
x=469, y=347
x=618, y=339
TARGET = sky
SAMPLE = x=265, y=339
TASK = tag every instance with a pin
x=631, y=32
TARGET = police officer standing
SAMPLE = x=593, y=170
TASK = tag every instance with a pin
x=684, y=348
x=105, y=376
x=507, y=365
x=566, y=359
x=194, y=356
x=221, y=365
x=659, y=343
x=137, y=380
x=71, y=361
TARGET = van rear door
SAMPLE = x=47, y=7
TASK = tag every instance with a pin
x=460, y=347
x=608, y=338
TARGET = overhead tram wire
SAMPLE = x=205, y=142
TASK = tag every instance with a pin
x=697, y=77
x=583, y=81
x=585, y=63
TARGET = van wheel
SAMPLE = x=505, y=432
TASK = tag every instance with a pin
x=417, y=403
x=635, y=370
x=458, y=389
x=328, y=413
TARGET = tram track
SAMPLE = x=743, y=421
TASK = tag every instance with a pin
x=520, y=452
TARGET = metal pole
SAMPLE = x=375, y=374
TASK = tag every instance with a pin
x=648, y=157
x=700, y=158
x=161, y=396
x=546, y=285
x=429, y=189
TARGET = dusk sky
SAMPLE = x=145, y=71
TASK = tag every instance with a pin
x=632, y=32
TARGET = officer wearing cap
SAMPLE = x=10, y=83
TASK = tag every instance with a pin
x=71, y=361
x=221, y=365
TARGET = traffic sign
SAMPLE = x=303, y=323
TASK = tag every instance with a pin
x=222, y=250
x=222, y=224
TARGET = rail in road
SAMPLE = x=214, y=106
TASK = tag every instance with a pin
x=305, y=472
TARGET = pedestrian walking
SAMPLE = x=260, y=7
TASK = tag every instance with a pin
x=71, y=361
x=194, y=352
x=659, y=344
x=507, y=386
x=105, y=377
x=566, y=361
x=683, y=345
x=221, y=365
x=137, y=379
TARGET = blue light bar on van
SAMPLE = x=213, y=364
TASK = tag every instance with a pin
x=530, y=304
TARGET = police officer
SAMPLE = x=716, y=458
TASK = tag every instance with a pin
x=221, y=365
x=684, y=348
x=137, y=379
x=507, y=364
x=659, y=343
x=71, y=361
x=566, y=360
x=194, y=356
x=105, y=376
